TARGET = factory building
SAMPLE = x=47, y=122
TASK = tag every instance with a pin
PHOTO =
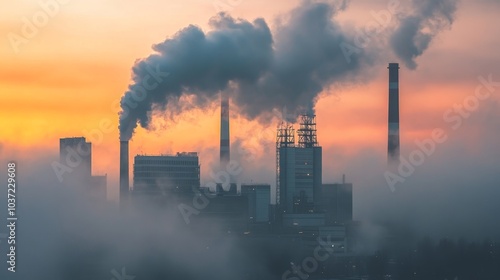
x=76, y=153
x=337, y=203
x=226, y=214
x=299, y=168
x=75, y=158
x=259, y=200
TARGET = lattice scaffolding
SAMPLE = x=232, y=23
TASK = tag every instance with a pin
x=307, y=132
x=285, y=137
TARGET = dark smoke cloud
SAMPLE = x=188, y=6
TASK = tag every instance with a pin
x=243, y=58
x=417, y=30
x=264, y=71
x=307, y=59
x=196, y=63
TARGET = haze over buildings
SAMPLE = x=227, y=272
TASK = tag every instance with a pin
x=231, y=195
x=76, y=153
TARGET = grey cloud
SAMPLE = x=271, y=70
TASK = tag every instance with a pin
x=417, y=30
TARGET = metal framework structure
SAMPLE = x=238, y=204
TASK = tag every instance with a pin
x=307, y=131
x=285, y=137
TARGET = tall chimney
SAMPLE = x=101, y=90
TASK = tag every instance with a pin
x=224, y=131
x=393, y=139
x=124, y=183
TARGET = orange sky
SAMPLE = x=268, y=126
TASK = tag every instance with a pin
x=66, y=80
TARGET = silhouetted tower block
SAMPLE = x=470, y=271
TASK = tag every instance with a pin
x=76, y=153
x=393, y=137
x=259, y=199
x=166, y=174
x=337, y=203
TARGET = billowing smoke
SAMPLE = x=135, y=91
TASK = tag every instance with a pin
x=417, y=30
x=261, y=70
x=193, y=62
x=243, y=58
x=307, y=58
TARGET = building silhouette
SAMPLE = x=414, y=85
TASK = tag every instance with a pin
x=299, y=168
x=337, y=203
x=178, y=173
x=76, y=154
x=259, y=199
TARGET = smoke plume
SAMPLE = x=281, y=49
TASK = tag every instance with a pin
x=193, y=62
x=262, y=70
x=242, y=57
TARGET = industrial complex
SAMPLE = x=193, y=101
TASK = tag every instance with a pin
x=306, y=208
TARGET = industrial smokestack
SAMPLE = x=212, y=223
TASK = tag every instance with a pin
x=260, y=68
x=393, y=139
x=224, y=131
x=124, y=183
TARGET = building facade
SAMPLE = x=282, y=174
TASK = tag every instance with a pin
x=300, y=179
x=259, y=200
x=178, y=173
x=75, y=153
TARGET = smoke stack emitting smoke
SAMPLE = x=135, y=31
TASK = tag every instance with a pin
x=393, y=139
x=262, y=72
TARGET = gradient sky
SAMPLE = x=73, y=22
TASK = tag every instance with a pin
x=68, y=78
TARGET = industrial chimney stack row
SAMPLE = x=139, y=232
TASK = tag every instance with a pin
x=393, y=152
